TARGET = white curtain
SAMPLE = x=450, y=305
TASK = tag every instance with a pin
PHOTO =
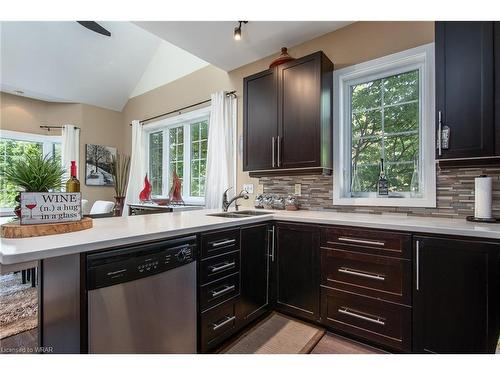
x=221, y=151
x=137, y=167
x=70, y=149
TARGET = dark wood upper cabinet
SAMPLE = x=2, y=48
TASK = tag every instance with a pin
x=287, y=121
x=496, y=41
x=296, y=265
x=456, y=296
x=260, y=121
x=254, y=297
x=465, y=89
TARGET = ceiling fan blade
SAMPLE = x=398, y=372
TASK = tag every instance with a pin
x=95, y=27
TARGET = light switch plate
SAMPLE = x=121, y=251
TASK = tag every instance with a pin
x=248, y=188
x=298, y=189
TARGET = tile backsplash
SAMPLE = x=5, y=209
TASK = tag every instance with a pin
x=455, y=193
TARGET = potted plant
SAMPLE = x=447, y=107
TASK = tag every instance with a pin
x=120, y=166
x=34, y=173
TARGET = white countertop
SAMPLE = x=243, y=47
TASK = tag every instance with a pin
x=118, y=231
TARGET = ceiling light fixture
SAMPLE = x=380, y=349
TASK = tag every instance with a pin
x=237, y=30
x=19, y=92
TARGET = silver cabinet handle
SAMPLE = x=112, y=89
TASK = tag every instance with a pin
x=272, y=150
x=361, y=274
x=227, y=288
x=364, y=242
x=272, y=244
x=279, y=152
x=439, y=135
x=228, y=319
x=222, y=243
x=417, y=264
x=223, y=267
x=345, y=311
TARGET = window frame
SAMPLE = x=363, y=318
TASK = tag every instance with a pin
x=185, y=120
x=46, y=140
x=420, y=58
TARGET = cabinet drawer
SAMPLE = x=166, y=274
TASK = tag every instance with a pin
x=382, y=322
x=372, y=275
x=217, y=324
x=220, y=266
x=221, y=242
x=219, y=291
x=371, y=241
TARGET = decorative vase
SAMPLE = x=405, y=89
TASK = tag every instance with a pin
x=145, y=195
x=283, y=58
x=119, y=202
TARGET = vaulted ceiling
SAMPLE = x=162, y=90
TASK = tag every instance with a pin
x=65, y=62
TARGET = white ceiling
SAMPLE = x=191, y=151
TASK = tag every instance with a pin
x=213, y=41
x=63, y=61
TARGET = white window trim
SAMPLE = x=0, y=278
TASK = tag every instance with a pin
x=172, y=122
x=46, y=141
x=421, y=58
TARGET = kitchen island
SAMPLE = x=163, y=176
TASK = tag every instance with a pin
x=389, y=265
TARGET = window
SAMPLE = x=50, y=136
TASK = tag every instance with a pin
x=14, y=145
x=179, y=144
x=384, y=111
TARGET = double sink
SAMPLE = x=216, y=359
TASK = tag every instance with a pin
x=240, y=214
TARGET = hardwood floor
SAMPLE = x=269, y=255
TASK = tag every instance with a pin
x=334, y=344
x=24, y=342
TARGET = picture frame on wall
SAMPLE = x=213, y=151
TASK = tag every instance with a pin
x=98, y=161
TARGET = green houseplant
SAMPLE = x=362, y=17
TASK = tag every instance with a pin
x=34, y=173
x=120, y=166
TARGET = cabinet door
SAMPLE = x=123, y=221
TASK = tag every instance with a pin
x=299, y=113
x=260, y=127
x=254, y=272
x=297, y=270
x=496, y=39
x=465, y=88
x=455, y=296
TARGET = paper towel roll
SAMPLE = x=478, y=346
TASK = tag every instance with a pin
x=483, y=196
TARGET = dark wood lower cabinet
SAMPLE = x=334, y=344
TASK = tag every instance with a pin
x=296, y=265
x=456, y=296
x=384, y=323
x=254, y=297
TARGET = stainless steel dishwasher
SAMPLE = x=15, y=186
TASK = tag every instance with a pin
x=142, y=299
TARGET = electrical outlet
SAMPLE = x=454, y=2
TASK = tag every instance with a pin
x=260, y=189
x=248, y=188
x=298, y=189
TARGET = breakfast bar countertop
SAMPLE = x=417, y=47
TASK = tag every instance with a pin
x=120, y=231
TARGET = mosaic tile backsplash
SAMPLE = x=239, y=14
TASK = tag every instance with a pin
x=455, y=193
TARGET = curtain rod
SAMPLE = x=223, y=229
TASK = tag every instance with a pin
x=181, y=109
x=49, y=127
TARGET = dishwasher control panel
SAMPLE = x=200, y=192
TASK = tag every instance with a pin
x=117, y=266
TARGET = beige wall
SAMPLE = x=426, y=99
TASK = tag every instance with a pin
x=98, y=126
x=350, y=45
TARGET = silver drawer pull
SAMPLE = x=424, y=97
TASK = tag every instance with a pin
x=361, y=274
x=222, y=243
x=223, y=267
x=228, y=319
x=345, y=311
x=364, y=242
x=227, y=288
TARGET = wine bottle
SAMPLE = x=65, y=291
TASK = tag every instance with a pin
x=73, y=185
x=382, y=185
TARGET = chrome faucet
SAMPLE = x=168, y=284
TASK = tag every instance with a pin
x=225, y=203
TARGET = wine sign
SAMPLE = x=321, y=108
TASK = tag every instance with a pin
x=39, y=208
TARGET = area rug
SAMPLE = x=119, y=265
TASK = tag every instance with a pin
x=277, y=334
x=18, y=306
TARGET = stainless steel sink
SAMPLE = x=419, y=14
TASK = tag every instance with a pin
x=252, y=213
x=240, y=214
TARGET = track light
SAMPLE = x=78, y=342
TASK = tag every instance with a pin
x=237, y=30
